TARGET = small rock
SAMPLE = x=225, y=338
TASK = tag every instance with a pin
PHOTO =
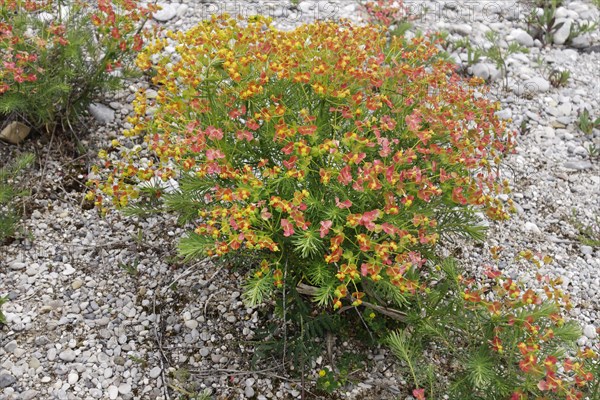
x=461, y=29
x=155, y=372
x=590, y=332
x=531, y=227
x=77, y=283
x=73, y=378
x=182, y=9
x=113, y=392
x=249, y=392
x=69, y=270
x=15, y=132
x=124, y=388
x=562, y=34
x=522, y=37
x=532, y=86
x=587, y=250
x=6, y=380
x=578, y=165
x=485, y=71
x=29, y=394
x=11, y=346
x=504, y=114
x=166, y=13
x=101, y=113
x=191, y=324
x=67, y=355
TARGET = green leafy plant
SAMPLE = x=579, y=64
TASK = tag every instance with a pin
x=328, y=380
x=338, y=180
x=474, y=53
x=589, y=234
x=496, y=339
x=9, y=194
x=586, y=123
x=543, y=26
x=3, y=299
x=499, y=55
x=558, y=78
x=58, y=56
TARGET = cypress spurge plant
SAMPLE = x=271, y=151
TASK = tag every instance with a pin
x=498, y=339
x=58, y=55
x=338, y=155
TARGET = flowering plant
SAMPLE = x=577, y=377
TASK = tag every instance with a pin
x=387, y=12
x=57, y=55
x=338, y=155
x=498, y=338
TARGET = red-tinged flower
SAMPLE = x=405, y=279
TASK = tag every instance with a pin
x=307, y=130
x=213, y=154
x=343, y=204
x=419, y=394
x=345, y=177
x=290, y=163
x=518, y=395
x=368, y=218
x=550, y=363
x=529, y=297
x=252, y=124
x=325, y=227
x=497, y=344
x=288, y=229
x=413, y=121
x=244, y=135
x=472, y=297
x=493, y=274
x=214, y=133
x=528, y=363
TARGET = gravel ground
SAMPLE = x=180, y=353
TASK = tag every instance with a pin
x=102, y=309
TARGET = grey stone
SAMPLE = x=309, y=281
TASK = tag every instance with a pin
x=29, y=394
x=102, y=113
x=182, y=9
x=11, y=346
x=69, y=270
x=485, y=71
x=166, y=13
x=532, y=86
x=15, y=132
x=73, y=378
x=522, y=37
x=6, y=380
x=17, y=266
x=155, y=372
x=124, y=388
x=113, y=392
x=562, y=34
x=578, y=165
x=67, y=355
x=587, y=250
x=249, y=392
x=590, y=331
x=581, y=42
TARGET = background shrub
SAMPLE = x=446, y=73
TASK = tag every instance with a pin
x=58, y=55
x=9, y=193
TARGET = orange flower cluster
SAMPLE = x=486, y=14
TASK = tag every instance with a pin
x=329, y=144
x=534, y=324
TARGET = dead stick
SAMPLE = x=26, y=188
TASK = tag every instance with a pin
x=303, y=288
